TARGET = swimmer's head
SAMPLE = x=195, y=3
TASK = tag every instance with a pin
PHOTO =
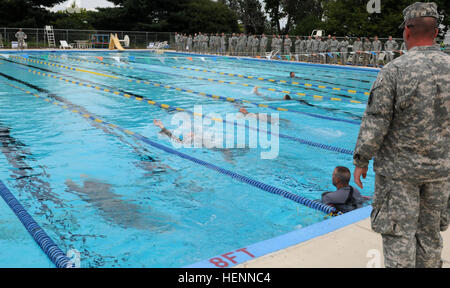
x=292, y=74
x=243, y=110
x=287, y=97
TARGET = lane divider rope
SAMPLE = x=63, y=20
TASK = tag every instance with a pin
x=234, y=75
x=169, y=108
x=63, y=66
x=92, y=62
x=48, y=246
x=228, y=99
x=316, y=97
x=307, y=85
x=241, y=178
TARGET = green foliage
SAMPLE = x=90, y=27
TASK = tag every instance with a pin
x=23, y=13
x=306, y=25
x=204, y=16
x=250, y=13
x=186, y=16
x=274, y=10
x=350, y=17
x=65, y=20
x=340, y=17
x=299, y=15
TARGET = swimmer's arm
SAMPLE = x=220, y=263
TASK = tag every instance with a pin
x=165, y=131
x=169, y=134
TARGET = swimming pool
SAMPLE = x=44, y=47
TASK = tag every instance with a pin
x=75, y=129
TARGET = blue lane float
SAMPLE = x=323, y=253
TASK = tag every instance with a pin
x=235, y=100
x=53, y=252
x=241, y=178
x=292, y=138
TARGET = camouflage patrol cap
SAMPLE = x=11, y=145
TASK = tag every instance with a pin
x=419, y=9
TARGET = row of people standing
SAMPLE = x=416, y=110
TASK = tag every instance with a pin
x=236, y=45
x=307, y=49
x=201, y=43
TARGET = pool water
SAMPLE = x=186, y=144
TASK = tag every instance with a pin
x=123, y=203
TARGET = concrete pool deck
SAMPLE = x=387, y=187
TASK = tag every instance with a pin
x=354, y=246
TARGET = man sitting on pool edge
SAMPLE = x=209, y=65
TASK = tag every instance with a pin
x=346, y=198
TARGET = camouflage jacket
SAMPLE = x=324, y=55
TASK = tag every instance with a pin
x=406, y=125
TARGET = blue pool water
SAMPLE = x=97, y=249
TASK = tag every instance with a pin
x=123, y=203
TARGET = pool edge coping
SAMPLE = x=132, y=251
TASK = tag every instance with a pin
x=266, y=247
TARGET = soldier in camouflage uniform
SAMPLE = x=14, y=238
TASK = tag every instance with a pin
x=302, y=48
x=230, y=45
x=205, y=43
x=194, y=41
x=185, y=39
x=367, y=47
x=217, y=43
x=273, y=43
x=357, y=50
x=189, y=43
x=315, y=45
x=21, y=36
x=242, y=45
x=334, y=47
x=376, y=47
x=280, y=44
x=255, y=45
x=223, y=44
x=390, y=47
x=406, y=128
x=212, y=42
x=287, y=47
x=309, y=50
x=323, y=49
x=249, y=45
x=234, y=42
x=263, y=45
x=343, y=48
x=327, y=57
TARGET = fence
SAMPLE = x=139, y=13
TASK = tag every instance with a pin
x=36, y=37
x=138, y=40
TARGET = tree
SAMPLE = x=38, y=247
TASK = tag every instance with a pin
x=350, y=17
x=69, y=20
x=203, y=16
x=186, y=16
x=250, y=13
x=26, y=13
x=274, y=9
x=302, y=16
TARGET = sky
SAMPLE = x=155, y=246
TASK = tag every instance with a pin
x=88, y=4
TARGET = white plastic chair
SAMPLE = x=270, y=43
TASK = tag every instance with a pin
x=64, y=45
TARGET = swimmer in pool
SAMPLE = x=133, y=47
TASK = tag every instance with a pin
x=192, y=138
x=256, y=92
x=260, y=116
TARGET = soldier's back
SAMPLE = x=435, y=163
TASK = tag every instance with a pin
x=417, y=144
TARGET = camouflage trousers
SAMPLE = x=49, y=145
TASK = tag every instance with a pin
x=410, y=215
